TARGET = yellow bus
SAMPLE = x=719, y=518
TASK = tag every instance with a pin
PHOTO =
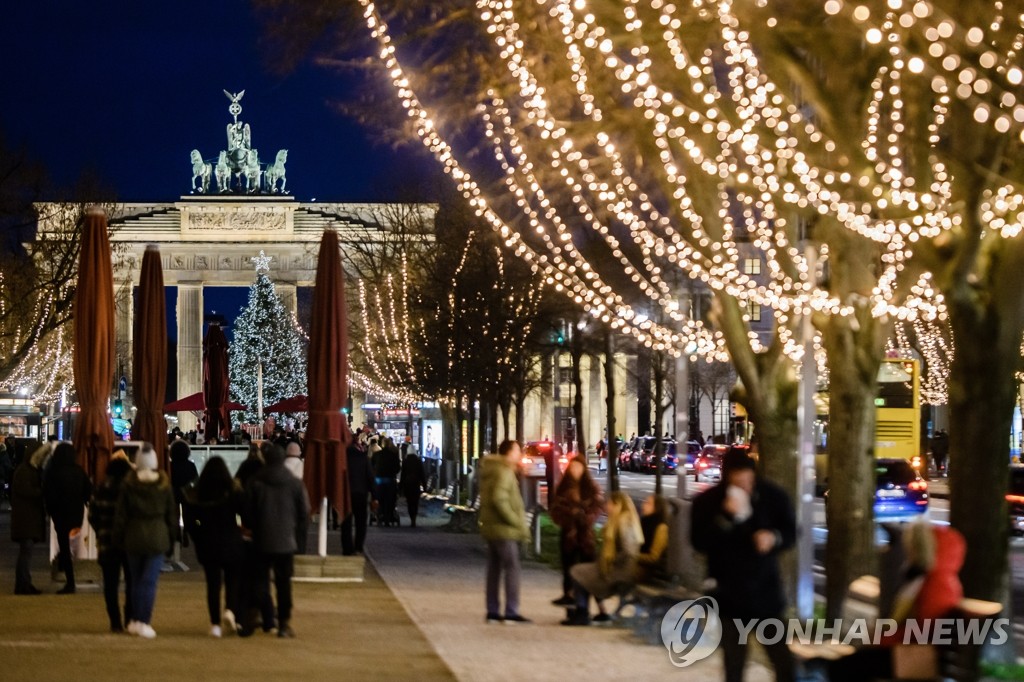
x=897, y=417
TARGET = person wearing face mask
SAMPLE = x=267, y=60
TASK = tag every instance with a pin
x=742, y=524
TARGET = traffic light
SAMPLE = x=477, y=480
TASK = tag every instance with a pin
x=118, y=407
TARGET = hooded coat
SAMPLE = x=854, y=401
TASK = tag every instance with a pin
x=276, y=509
x=28, y=518
x=146, y=517
x=502, y=512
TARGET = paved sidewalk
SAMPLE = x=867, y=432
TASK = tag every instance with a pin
x=355, y=631
x=439, y=578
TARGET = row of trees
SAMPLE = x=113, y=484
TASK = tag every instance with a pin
x=858, y=148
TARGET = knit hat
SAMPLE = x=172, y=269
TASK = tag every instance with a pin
x=146, y=459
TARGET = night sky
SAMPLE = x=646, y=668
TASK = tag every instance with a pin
x=128, y=89
x=125, y=90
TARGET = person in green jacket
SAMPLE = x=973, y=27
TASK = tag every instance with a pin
x=145, y=525
x=503, y=526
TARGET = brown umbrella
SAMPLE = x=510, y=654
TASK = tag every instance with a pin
x=150, y=356
x=215, y=383
x=93, y=357
x=327, y=435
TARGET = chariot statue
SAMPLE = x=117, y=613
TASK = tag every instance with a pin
x=239, y=163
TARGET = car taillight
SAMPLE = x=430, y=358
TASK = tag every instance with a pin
x=1015, y=499
x=919, y=486
x=702, y=464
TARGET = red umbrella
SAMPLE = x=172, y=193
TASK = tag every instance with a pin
x=93, y=356
x=327, y=435
x=194, y=403
x=299, y=403
x=215, y=383
x=150, y=355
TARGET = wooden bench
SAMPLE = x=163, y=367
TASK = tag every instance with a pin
x=464, y=519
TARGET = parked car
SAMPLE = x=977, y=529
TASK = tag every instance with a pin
x=541, y=456
x=1015, y=499
x=708, y=465
x=629, y=456
x=669, y=460
x=692, y=453
x=900, y=493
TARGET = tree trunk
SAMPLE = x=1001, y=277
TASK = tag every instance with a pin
x=450, y=442
x=643, y=391
x=659, y=411
x=506, y=419
x=609, y=382
x=854, y=351
x=492, y=409
x=521, y=417
x=981, y=401
x=577, y=401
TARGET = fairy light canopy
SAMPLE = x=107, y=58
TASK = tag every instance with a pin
x=638, y=143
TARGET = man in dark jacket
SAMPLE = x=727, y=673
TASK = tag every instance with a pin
x=361, y=487
x=277, y=511
x=66, y=489
x=387, y=464
x=742, y=524
x=183, y=474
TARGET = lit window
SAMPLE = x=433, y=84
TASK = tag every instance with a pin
x=752, y=266
x=754, y=311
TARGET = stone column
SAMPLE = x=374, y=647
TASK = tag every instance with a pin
x=287, y=293
x=124, y=333
x=190, y=346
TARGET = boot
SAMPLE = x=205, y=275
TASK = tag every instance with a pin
x=284, y=630
x=576, y=617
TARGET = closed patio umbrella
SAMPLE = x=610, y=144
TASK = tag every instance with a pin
x=93, y=356
x=150, y=356
x=327, y=434
x=215, y=383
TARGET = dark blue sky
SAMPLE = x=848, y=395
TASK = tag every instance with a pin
x=128, y=89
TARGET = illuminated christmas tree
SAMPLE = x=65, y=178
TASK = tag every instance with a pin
x=268, y=343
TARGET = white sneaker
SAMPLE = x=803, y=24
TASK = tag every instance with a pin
x=146, y=631
x=228, y=620
x=133, y=627
x=215, y=631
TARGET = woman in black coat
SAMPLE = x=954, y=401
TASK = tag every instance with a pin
x=28, y=518
x=413, y=483
x=213, y=505
x=66, y=489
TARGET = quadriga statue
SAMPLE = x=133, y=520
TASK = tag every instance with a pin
x=200, y=171
x=275, y=172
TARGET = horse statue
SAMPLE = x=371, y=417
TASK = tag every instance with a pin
x=275, y=172
x=223, y=172
x=200, y=171
x=252, y=172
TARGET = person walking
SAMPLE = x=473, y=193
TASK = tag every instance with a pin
x=277, y=511
x=293, y=458
x=66, y=489
x=183, y=474
x=577, y=504
x=741, y=525
x=413, y=483
x=615, y=570
x=503, y=527
x=145, y=525
x=254, y=598
x=362, y=488
x=28, y=516
x=387, y=465
x=213, y=505
x=112, y=558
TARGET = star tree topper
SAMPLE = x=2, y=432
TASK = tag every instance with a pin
x=262, y=262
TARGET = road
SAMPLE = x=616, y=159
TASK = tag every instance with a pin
x=639, y=486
